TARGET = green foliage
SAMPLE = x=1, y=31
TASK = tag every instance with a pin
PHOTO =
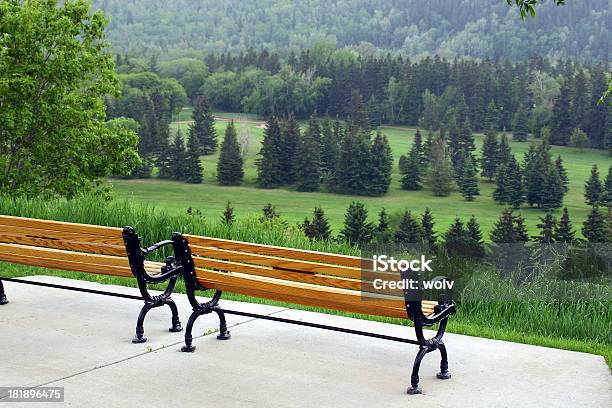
x=290, y=140
x=547, y=226
x=606, y=197
x=440, y=171
x=318, y=228
x=427, y=228
x=456, y=238
x=468, y=184
x=55, y=70
x=519, y=127
x=579, y=139
x=509, y=229
x=178, y=165
x=357, y=229
x=269, y=213
x=381, y=165
x=203, y=126
x=330, y=152
x=475, y=244
x=228, y=216
x=269, y=162
x=408, y=230
x=308, y=166
x=564, y=231
x=509, y=184
x=562, y=173
x=490, y=155
x=229, y=166
x=193, y=167
x=545, y=186
x=593, y=188
x=594, y=227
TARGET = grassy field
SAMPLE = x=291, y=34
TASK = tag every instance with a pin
x=294, y=206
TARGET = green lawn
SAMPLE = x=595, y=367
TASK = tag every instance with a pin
x=294, y=206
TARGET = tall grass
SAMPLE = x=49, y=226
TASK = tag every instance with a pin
x=582, y=325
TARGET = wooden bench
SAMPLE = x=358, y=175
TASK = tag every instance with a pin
x=90, y=249
x=301, y=277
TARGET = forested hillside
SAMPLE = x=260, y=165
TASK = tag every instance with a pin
x=478, y=28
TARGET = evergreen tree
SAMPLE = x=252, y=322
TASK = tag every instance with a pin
x=358, y=113
x=269, y=213
x=547, y=226
x=564, y=231
x=516, y=191
x=456, y=238
x=475, y=243
x=520, y=230
x=228, y=216
x=593, y=188
x=308, y=167
x=382, y=166
x=509, y=228
x=408, y=230
x=504, y=150
x=468, y=184
x=562, y=115
x=579, y=139
x=164, y=161
x=330, y=153
x=491, y=121
x=357, y=229
x=383, y=221
x=203, y=127
x=562, y=173
x=427, y=228
x=552, y=189
x=193, y=167
x=440, y=170
x=318, y=229
x=410, y=169
x=355, y=165
x=519, y=128
x=269, y=162
x=500, y=194
x=594, y=228
x=606, y=196
x=418, y=148
x=289, y=140
x=179, y=159
x=490, y=155
x=229, y=166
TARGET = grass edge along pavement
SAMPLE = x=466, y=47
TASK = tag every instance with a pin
x=578, y=326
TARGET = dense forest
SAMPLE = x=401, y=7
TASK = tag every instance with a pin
x=474, y=28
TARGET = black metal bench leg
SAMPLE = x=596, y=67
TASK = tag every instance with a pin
x=176, y=323
x=189, y=347
x=444, y=374
x=224, y=334
x=3, y=299
x=414, y=378
x=140, y=324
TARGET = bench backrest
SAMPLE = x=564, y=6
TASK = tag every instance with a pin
x=63, y=245
x=297, y=276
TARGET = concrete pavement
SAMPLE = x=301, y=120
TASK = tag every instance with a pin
x=83, y=342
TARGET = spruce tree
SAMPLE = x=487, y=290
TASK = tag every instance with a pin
x=419, y=148
x=468, y=185
x=440, y=170
x=519, y=127
x=594, y=227
x=491, y=121
x=547, y=226
x=383, y=221
x=269, y=163
x=552, y=189
x=562, y=173
x=503, y=229
x=564, y=231
x=456, y=239
x=520, y=230
x=330, y=153
x=606, y=196
x=229, y=166
x=357, y=229
x=408, y=230
x=318, y=229
x=358, y=111
x=289, y=140
x=500, y=194
x=490, y=155
x=562, y=115
x=307, y=166
x=427, y=228
x=593, y=188
x=179, y=159
x=475, y=243
x=228, y=216
x=203, y=126
x=381, y=163
x=410, y=169
x=269, y=213
x=504, y=150
x=193, y=167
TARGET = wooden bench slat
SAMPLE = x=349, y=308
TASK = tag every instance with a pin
x=280, y=263
x=62, y=240
x=23, y=222
x=304, y=255
x=309, y=295
x=24, y=250
x=311, y=278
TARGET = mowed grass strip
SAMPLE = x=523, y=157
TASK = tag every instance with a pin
x=293, y=206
